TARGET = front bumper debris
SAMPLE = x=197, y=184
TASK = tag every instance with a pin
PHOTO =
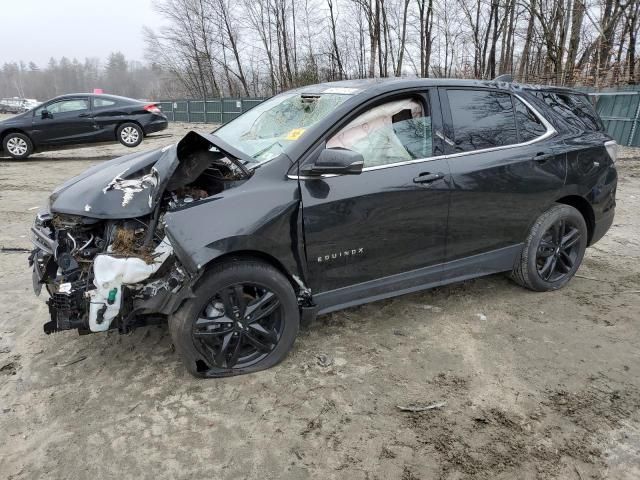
x=90, y=294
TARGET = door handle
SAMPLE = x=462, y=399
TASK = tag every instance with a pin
x=542, y=157
x=428, y=177
x=84, y=115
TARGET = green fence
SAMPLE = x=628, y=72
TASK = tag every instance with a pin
x=619, y=109
x=620, y=112
x=219, y=110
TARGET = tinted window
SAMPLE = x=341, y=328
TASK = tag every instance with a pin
x=393, y=132
x=65, y=106
x=102, y=102
x=529, y=125
x=574, y=108
x=481, y=119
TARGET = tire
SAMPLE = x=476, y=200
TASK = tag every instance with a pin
x=130, y=134
x=17, y=145
x=553, y=250
x=202, y=327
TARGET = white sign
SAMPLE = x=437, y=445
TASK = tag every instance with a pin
x=341, y=90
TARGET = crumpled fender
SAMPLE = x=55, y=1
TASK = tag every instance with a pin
x=260, y=215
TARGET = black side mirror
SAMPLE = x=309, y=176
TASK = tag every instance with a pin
x=336, y=161
x=45, y=114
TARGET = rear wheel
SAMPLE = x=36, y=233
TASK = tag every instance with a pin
x=244, y=318
x=17, y=145
x=553, y=251
x=130, y=134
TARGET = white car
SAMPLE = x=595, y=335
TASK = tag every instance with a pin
x=30, y=103
x=17, y=104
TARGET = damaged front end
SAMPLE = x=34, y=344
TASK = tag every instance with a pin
x=100, y=248
x=98, y=273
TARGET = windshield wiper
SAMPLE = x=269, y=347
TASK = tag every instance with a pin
x=257, y=154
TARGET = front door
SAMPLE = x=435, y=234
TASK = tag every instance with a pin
x=390, y=219
x=67, y=121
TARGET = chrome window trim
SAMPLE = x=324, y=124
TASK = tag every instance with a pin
x=549, y=133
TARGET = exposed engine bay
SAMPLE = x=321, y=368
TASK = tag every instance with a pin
x=111, y=265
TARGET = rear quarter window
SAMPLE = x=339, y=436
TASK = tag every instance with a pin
x=575, y=108
x=103, y=102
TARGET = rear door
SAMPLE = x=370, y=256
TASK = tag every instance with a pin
x=506, y=169
x=69, y=122
x=390, y=219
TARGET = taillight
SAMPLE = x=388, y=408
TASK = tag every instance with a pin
x=153, y=108
x=612, y=149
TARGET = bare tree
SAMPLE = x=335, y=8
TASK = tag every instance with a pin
x=211, y=48
x=425, y=9
x=224, y=12
x=334, y=41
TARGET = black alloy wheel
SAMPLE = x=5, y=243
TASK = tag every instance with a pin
x=244, y=317
x=553, y=249
x=240, y=326
x=558, y=251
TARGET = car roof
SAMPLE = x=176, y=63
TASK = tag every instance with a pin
x=383, y=85
x=96, y=95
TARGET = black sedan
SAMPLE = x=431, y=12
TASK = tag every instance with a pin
x=78, y=119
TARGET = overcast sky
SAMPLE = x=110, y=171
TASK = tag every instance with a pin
x=36, y=30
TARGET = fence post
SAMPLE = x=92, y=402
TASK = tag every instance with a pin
x=188, y=111
x=634, y=123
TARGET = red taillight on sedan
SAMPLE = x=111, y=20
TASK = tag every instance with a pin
x=153, y=108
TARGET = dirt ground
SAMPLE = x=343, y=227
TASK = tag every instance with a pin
x=534, y=385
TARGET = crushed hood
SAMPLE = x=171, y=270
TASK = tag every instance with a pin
x=124, y=187
x=130, y=186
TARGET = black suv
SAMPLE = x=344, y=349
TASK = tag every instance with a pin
x=322, y=198
x=77, y=119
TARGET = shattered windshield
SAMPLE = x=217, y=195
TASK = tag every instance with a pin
x=265, y=131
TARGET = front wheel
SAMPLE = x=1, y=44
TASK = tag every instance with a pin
x=17, y=145
x=553, y=250
x=244, y=318
x=130, y=134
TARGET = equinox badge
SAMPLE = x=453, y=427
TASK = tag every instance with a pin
x=346, y=253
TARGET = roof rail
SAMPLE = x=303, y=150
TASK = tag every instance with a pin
x=506, y=77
